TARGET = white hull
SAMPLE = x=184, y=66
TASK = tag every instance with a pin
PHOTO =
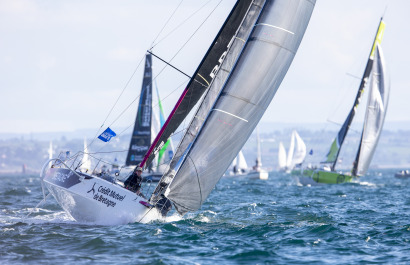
x=262, y=174
x=91, y=199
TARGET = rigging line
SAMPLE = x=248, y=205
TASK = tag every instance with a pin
x=129, y=105
x=190, y=37
x=128, y=127
x=183, y=22
x=118, y=98
x=203, y=22
x=170, y=65
x=126, y=85
x=166, y=23
x=154, y=106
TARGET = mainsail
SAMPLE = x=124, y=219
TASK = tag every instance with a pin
x=141, y=135
x=375, y=113
x=259, y=68
x=334, y=151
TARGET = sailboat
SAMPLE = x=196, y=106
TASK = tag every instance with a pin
x=232, y=95
x=147, y=125
x=239, y=165
x=257, y=172
x=376, y=108
x=296, y=154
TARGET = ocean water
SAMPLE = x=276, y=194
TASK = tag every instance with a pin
x=243, y=222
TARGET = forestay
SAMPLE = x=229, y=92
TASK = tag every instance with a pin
x=250, y=87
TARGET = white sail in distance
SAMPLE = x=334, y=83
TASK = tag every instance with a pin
x=85, y=161
x=300, y=151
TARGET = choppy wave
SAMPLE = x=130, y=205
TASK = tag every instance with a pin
x=242, y=222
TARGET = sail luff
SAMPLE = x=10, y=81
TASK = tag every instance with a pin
x=375, y=114
x=200, y=80
x=337, y=143
x=246, y=94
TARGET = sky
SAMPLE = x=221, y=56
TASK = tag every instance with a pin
x=64, y=64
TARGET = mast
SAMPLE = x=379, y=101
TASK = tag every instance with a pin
x=259, y=155
x=141, y=135
x=337, y=143
x=201, y=79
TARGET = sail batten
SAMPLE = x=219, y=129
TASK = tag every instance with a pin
x=257, y=71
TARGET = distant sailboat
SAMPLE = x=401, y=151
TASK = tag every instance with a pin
x=236, y=81
x=50, y=153
x=50, y=150
x=379, y=89
x=85, y=165
x=239, y=165
x=296, y=154
x=147, y=125
x=257, y=172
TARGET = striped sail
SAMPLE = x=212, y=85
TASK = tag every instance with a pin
x=247, y=92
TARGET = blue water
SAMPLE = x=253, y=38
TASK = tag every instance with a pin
x=242, y=222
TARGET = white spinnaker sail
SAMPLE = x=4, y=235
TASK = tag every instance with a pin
x=281, y=157
x=246, y=94
x=375, y=112
x=300, y=150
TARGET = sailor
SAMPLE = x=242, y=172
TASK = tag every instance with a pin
x=133, y=182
